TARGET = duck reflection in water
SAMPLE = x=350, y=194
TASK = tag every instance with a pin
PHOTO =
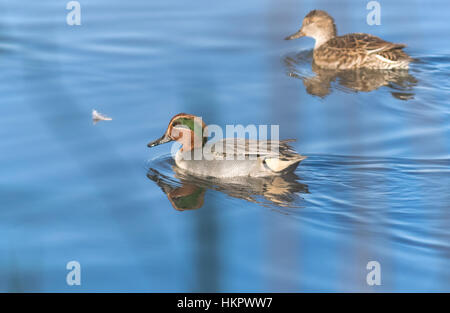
x=187, y=192
x=320, y=82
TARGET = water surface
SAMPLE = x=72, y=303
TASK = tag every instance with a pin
x=374, y=187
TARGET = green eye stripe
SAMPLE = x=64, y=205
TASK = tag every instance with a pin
x=189, y=123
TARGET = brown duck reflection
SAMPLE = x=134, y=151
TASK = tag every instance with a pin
x=188, y=192
x=363, y=80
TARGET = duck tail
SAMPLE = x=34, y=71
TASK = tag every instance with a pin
x=279, y=165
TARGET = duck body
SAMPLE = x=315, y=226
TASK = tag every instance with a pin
x=351, y=51
x=226, y=158
x=220, y=168
x=232, y=157
x=360, y=50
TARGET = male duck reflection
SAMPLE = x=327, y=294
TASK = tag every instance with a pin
x=189, y=192
x=349, y=51
x=229, y=157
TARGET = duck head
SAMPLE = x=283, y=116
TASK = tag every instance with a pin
x=317, y=24
x=187, y=129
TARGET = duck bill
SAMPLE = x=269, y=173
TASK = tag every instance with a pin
x=295, y=36
x=165, y=138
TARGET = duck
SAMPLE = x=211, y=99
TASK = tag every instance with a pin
x=229, y=157
x=351, y=51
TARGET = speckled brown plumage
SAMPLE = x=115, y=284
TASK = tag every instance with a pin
x=352, y=50
x=360, y=51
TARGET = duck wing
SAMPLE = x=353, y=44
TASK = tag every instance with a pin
x=275, y=155
x=366, y=44
x=240, y=148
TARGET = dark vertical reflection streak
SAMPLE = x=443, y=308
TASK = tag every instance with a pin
x=202, y=102
x=359, y=232
x=282, y=249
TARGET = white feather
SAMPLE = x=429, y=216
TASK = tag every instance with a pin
x=96, y=116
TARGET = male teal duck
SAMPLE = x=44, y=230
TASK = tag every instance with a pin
x=229, y=157
x=349, y=51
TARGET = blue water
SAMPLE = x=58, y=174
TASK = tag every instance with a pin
x=375, y=186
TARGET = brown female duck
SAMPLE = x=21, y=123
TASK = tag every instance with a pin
x=349, y=51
